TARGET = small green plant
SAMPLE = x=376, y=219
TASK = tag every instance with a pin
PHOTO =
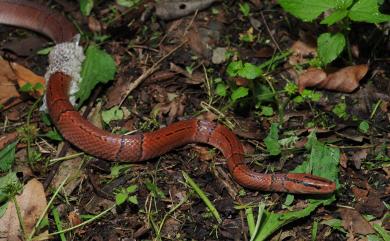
x=126, y=194
x=340, y=110
x=342, y=13
x=245, y=9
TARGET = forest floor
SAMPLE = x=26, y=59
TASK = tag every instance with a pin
x=237, y=63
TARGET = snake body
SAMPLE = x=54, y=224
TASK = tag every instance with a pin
x=142, y=146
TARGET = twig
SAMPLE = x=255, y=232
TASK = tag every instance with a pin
x=148, y=72
x=269, y=32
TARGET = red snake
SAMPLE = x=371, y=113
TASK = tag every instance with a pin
x=142, y=146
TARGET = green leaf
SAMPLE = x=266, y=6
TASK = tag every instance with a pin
x=330, y=46
x=340, y=110
x=7, y=157
x=239, y=93
x=245, y=9
x=267, y=111
x=250, y=71
x=274, y=221
x=364, y=127
x=291, y=88
x=307, y=10
x=112, y=114
x=27, y=87
x=128, y=3
x=382, y=232
x=86, y=7
x=133, y=199
x=3, y=208
x=335, y=224
x=155, y=190
x=121, y=198
x=323, y=160
x=367, y=11
x=221, y=89
x=131, y=188
x=116, y=170
x=335, y=17
x=271, y=141
x=98, y=67
x=233, y=68
x=54, y=135
x=9, y=186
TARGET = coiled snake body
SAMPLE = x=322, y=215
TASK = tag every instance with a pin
x=143, y=146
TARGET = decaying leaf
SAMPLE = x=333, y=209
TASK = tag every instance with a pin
x=32, y=203
x=301, y=52
x=344, y=80
x=353, y=221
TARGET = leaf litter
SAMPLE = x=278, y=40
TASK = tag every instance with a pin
x=317, y=140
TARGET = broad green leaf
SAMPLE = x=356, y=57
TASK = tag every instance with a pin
x=7, y=157
x=239, y=93
x=220, y=89
x=250, y=71
x=307, y=10
x=112, y=114
x=271, y=141
x=367, y=11
x=323, y=160
x=98, y=67
x=335, y=17
x=330, y=46
x=86, y=7
x=3, y=208
x=263, y=94
x=274, y=221
x=121, y=198
x=382, y=232
x=233, y=68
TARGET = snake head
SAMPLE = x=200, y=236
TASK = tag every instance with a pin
x=302, y=183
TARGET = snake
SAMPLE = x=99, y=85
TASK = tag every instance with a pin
x=142, y=146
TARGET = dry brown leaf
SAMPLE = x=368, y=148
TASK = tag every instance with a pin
x=344, y=80
x=9, y=94
x=8, y=138
x=32, y=203
x=300, y=52
x=311, y=77
x=69, y=167
x=353, y=221
x=25, y=76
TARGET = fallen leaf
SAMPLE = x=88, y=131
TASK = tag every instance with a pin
x=25, y=76
x=301, y=52
x=9, y=94
x=69, y=167
x=311, y=77
x=32, y=203
x=8, y=138
x=344, y=80
x=353, y=221
x=358, y=156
